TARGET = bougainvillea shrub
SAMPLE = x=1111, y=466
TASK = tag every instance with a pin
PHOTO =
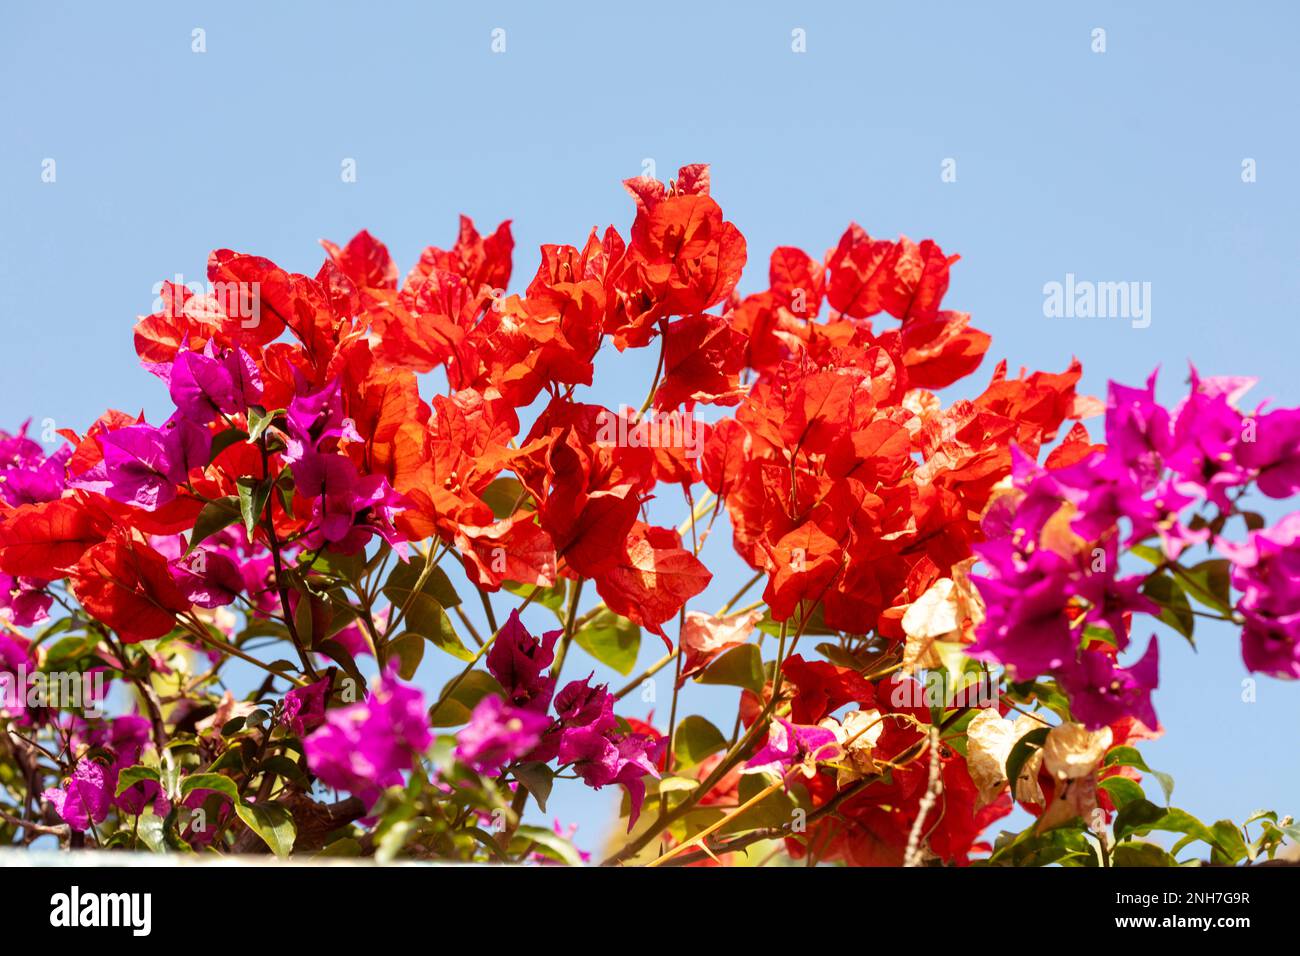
x=212, y=623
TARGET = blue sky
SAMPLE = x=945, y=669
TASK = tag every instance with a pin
x=1117, y=166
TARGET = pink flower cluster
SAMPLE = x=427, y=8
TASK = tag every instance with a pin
x=1057, y=602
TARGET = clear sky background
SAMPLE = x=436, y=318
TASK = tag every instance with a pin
x=1117, y=166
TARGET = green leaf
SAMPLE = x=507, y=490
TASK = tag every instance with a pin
x=435, y=627
x=282, y=766
x=1254, y=520
x=259, y=420
x=349, y=567
x=339, y=655
x=402, y=583
x=504, y=496
x=224, y=439
x=133, y=775
x=1209, y=584
x=1122, y=790
x=304, y=620
x=551, y=598
x=1174, y=820
x=1149, y=554
x=1270, y=815
x=1064, y=846
x=65, y=653
x=611, y=639
x=345, y=847
x=272, y=822
x=538, y=778
x=1174, y=608
x=58, y=626
x=170, y=780
x=1135, y=816
x=1229, y=842
x=1047, y=693
x=774, y=810
x=741, y=666
x=409, y=649
x=284, y=486
x=232, y=758
x=843, y=657
x=210, y=781
x=551, y=843
x=150, y=830
x=1129, y=757
x=1093, y=634
x=816, y=626
x=216, y=515
x=488, y=842
x=252, y=500
x=694, y=740
x=1141, y=854
x=455, y=710
x=1024, y=749
x=1224, y=839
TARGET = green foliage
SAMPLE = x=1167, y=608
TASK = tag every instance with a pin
x=611, y=639
x=741, y=666
x=695, y=739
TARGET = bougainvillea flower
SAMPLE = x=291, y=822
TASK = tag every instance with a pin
x=702, y=362
x=207, y=577
x=822, y=687
x=85, y=798
x=513, y=549
x=123, y=740
x=866, y=503
x=27, y=474
x=1101, y=693
x=25, y=600
x=705, y=636
x=365, y=260
x=1273, y=452
x=142, y=465
x=601, y=759
x=682, y=257
x=45, y=540
x=794, y=747
x=990, y=739
x=1027, y=628
x=521, y=664
x=313, y=417
x=304, y=707
x=128, y=585
x=586, y=736
x=653, y=578
x=578, y=704
x=498, y=734
x=204, y=387
x=857, y=735
x=1071, y=756
x=1266, y=569
x=329, y=482
x=1206, y=434
x=1137, y=430
x=364, y=747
